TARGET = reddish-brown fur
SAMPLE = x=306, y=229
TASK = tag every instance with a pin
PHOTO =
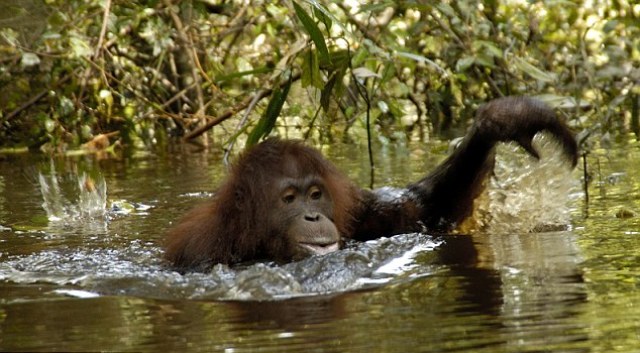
x=251, y=216
x=234, y=225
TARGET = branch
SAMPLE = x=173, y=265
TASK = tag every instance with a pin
x=103, y=30
x=231, y=112
x=35, y=99
x=361, y=27
x=189, y=47
x=256, y=98
x=416, y=102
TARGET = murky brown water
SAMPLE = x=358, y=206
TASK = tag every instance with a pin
x=87, y=283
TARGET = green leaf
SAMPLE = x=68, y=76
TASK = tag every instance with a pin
x=325, y=94
x=488, y=48
x=610, y=26
x=484, y=60
x=360, y=56
x=422, y=59
x=339, y=87
x=363, y=72
x=376, y=7
x=79, y=47
x=314, y=32
x=320, y=8
x=395, y=109
x=29, y=59
x=268, y=120
x=534, y=71
x=455, y=91
x=340, y=60
x=388, y=72
x=383, y=106
x=311, y=70
x=446, y=9
x=464, y=63
x=10, y=37
x=563, y=102
x=260, y=70
x=49, y=125
x=323, y=18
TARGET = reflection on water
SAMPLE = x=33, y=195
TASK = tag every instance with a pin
x=452, y=299
x=100, y=284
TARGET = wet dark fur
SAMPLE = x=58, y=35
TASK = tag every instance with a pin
x=240, y=222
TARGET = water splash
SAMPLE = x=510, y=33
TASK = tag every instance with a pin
x=73, y=198
x=526, y=195
x=523, y=195
x=360, y=265
x=138, y=270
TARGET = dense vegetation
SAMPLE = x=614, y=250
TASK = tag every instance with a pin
x=74, y=72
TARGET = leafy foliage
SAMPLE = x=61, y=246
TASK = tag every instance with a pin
x=139, y=72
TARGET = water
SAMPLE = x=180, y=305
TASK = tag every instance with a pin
x=81, y=268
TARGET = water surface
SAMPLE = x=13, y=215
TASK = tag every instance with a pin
x=92, y=278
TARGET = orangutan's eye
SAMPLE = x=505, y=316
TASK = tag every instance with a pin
x=315, y=193
x=289, y=196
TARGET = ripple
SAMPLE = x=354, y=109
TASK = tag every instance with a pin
x=138, y=270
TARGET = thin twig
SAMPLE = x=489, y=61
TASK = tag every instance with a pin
x=362, y=91
x=586, y=178
x=235, y=26
x=492, y=83
x=414, y=99
x=369, y=145
x=231, y=112
x=243, y=121
x=187, y=44
x=103, y=30
x=313, y=121
x=457, y=38
x=361, y=27
x=35, y=99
